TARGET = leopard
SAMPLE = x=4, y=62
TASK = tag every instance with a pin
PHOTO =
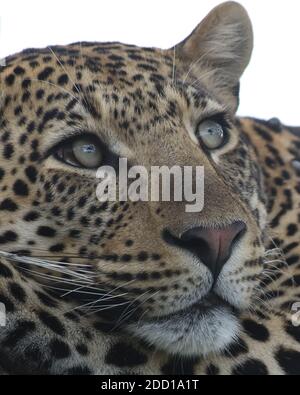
x=94, y=287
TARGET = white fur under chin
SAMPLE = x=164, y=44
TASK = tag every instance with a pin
x=191, y=333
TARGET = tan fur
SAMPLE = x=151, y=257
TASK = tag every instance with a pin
x=116, y=258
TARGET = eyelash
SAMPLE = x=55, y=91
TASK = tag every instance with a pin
x=222, y=118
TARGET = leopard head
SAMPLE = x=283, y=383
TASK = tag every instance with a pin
x=173, y=277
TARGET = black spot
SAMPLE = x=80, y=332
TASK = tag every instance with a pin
x=34, y=156
x=10, y=79
x=40, y=94
x=155, y=275
x=5, y=137
x=8, y=205
x=82, y=349
x=23, y=139
x=18, y=110
x=2, y=173
x=75, y=233
x=138, y=77
x=126, y=258
x=126, y=277
x=177, y=366
x=19, y=70
x=9, y=306
x=143, y=256
x=8, y=151
x=70, y=214
x=52, y=322
x=71, y=105
x=20, y=188
x=146, y=67
x=63, y=79
x=289, y=360
x=142, y=276
x=256, y=331
x=5, y=271
x=56, y=211
x=292, y=260
x=26, y=97
x=156, y=257
x=293, y=331
x=50, y=115
x=57, y=248
x=8, y=237
x=252, y=367
x=82, y=201
x=22, y=329
x=123, y=355
x=43, y=75
x=235, y=349
x=33, y=353
x=290, y=247
x=292, y=230
x=212, y=370
x=26, y=84
x=34, y=144
x=59, y=349
x=31, y=216
x=46, y=300
x=46, y=231
x=72, y=317
x=17, y=292
x=31, y=173
x=264, y=134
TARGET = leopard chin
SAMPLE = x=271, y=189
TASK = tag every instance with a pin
x=199, y=330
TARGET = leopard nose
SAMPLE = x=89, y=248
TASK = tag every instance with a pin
x=213, y=245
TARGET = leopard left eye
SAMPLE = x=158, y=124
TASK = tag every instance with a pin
x=82, y=151
x=211, y=134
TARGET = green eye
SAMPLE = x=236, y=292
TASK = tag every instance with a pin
x=83, y=151
x=211, y=134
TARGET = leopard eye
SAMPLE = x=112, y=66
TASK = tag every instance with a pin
x=211, y=134
x=83, y=151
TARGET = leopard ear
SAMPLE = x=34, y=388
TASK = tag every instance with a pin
x=218, y=51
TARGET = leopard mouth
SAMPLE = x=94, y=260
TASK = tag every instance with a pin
x=208, y=326
x=203, y=306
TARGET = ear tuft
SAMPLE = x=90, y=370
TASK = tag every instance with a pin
x=222, y=44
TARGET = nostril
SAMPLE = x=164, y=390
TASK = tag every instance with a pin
x=241, y=229
x=201, y=247
x=169, y=238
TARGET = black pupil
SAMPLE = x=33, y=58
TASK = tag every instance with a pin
x=89, y=148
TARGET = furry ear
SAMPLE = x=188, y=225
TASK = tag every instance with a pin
x=218, y=51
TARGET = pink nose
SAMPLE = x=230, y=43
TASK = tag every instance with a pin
x=213, y=246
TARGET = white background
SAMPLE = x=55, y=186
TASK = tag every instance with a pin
x=270, y=85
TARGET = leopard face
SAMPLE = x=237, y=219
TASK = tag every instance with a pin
x=175, y=279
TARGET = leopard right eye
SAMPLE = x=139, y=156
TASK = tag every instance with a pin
x=211, y=134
